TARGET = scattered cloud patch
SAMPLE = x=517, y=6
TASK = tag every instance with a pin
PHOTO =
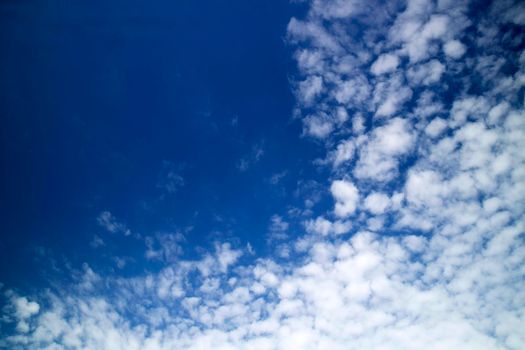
x=110, y=223
x=346, y=197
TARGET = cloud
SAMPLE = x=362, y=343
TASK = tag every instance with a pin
x=325, y=227
x=377, y=203
x=430, y=158
x=278, y=228
x=252, y=158
x=385, y=63
x=97, y=242
x=310, y=89
x=277, y=177
x=426, y=74
x=110, y=223
x=170, y=181
x=346, y=197
x=454, y=49
x=436, y=127
x=344, y=152
x=165, y=247
x=318, y=126
x=379, y=157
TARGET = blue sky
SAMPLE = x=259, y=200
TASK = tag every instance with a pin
x=103, y=101
x=323, y=174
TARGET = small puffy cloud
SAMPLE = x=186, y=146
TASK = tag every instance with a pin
x=353, y=91
x=415, y=34
x=436, y=127
x=25, y=308
x=346, y=196
x=313, y=32
x=226, y=256
x=318, y=126
x=326, y=227
x=377, y=202
x=436, y=27
x=497, y=112
x=358, y=123
x=22, y=309
x=343, y=153
x=425, y=188
x=333, y=9
x=468, y=107
x=385, y=63
x=454, y=49
x=390, y=95
x=379, y=157
x=426, y=74
x=310, y=60
x=309, y=89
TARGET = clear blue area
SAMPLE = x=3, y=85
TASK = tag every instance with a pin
x=101, y=100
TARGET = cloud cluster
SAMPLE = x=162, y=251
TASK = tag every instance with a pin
x=420, y=107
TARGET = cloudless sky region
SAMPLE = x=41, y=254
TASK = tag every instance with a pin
x=312, y=174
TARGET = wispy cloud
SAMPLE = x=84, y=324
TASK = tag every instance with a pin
x=110, y=223
x=252, y=158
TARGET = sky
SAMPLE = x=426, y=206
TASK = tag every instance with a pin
x=315, y=174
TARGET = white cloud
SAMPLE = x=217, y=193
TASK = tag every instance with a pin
x=468, y=107
x=346, y=196
x=310, y=88
x=385, y=63
x=343, y=153
x=378, y=158
x=390, y=95
x=278, y=228
x=426, y=73
x=436, y=127
x=325, y=227
x=318, y=126
x=165, y=247
x=226, y=256
x=25, y=308
x=353, y=91
x=454, y=49
x=108, y=221
x=377, y=203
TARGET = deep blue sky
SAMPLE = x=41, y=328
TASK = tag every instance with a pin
x=101, y=100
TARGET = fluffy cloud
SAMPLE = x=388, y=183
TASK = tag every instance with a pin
x=436, y=127
x=326, y=227
x=427, y=73
x=384, y=64
x=377, y=203
x=379, y=157
x=346, y=196
x=454, y=49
